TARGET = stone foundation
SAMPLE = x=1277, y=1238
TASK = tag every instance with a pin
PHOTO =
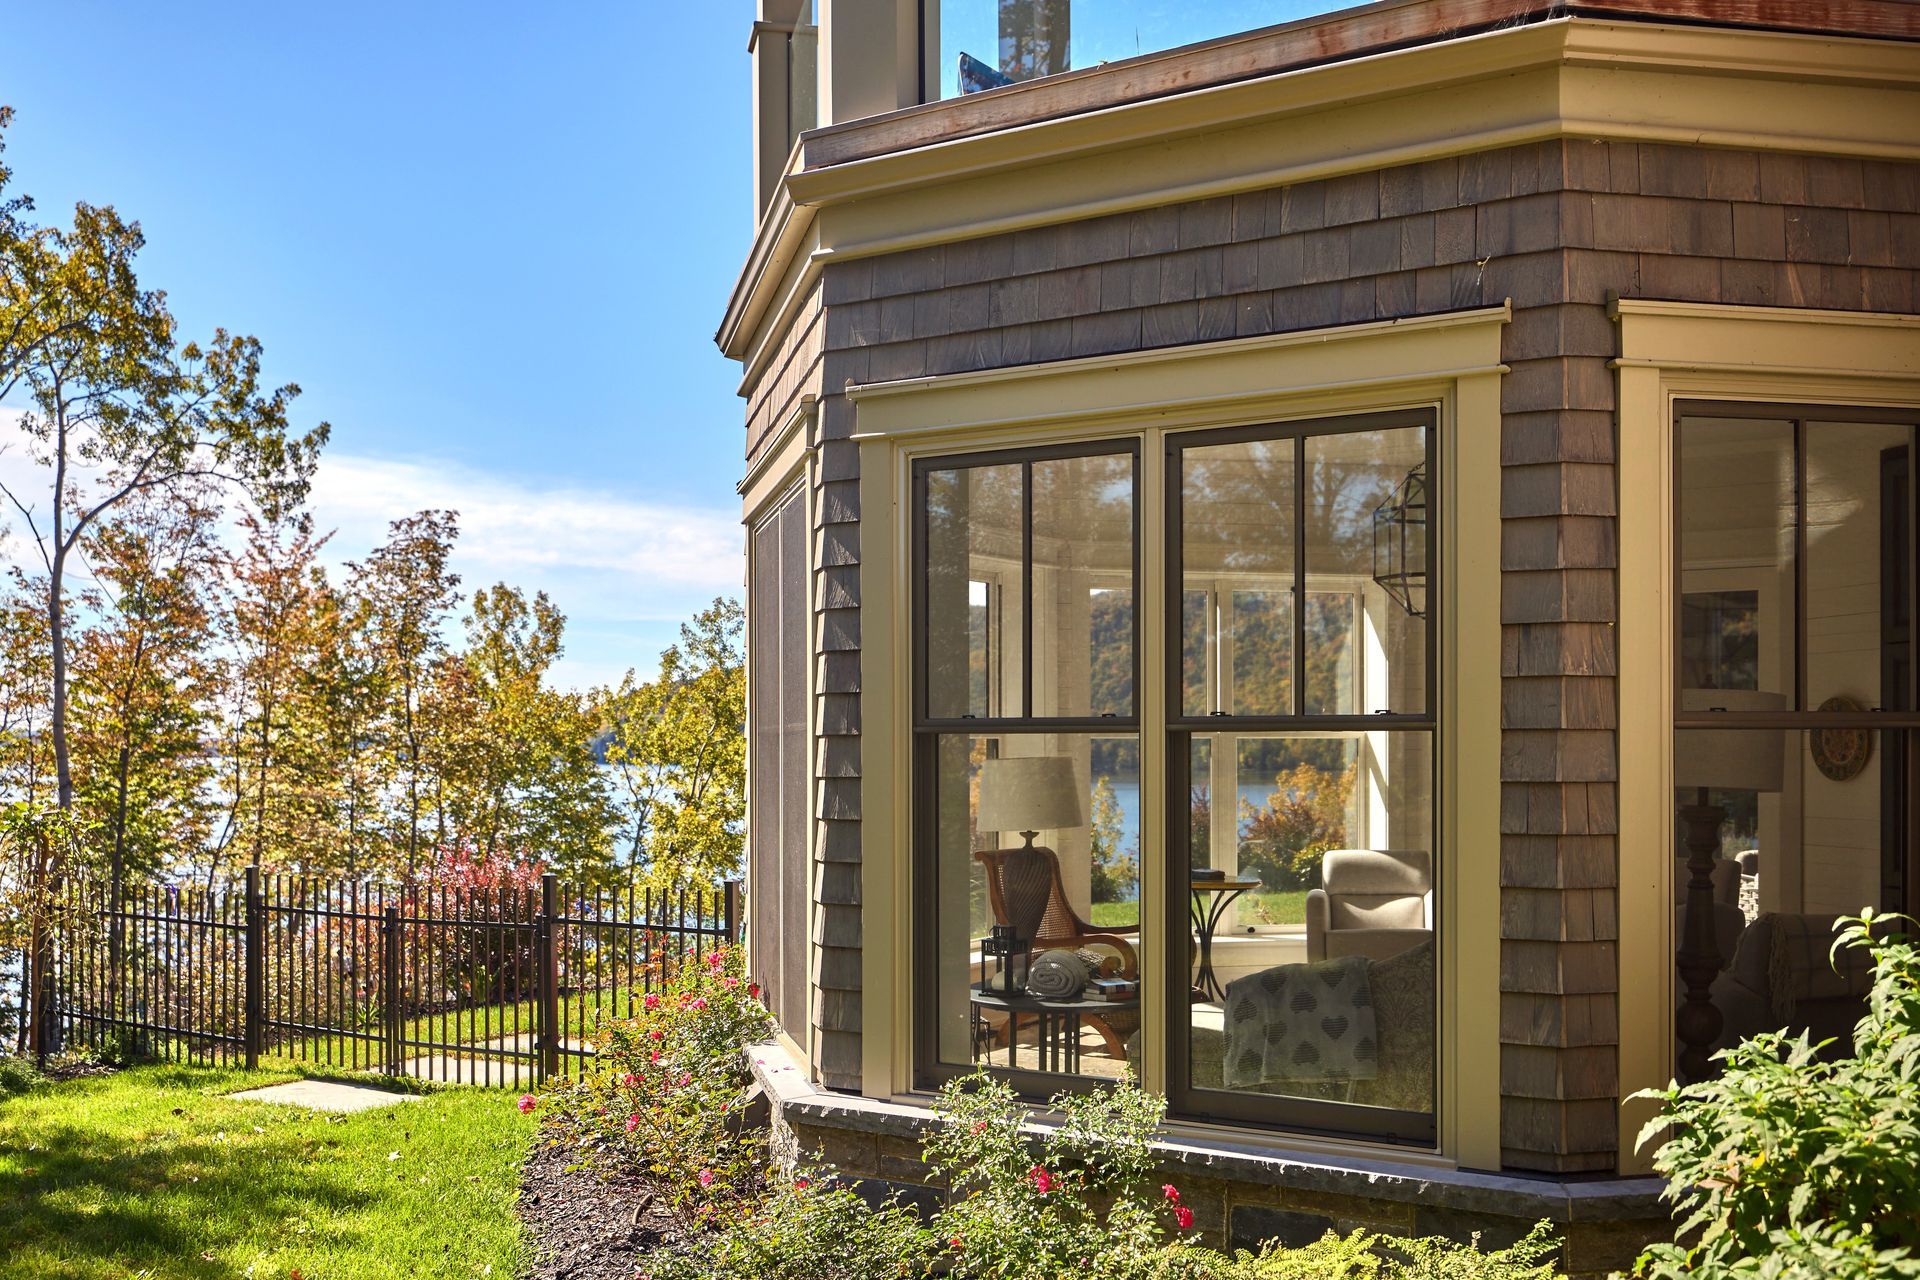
x=1243, y=1195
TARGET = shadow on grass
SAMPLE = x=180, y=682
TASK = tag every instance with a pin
x=87, y=1202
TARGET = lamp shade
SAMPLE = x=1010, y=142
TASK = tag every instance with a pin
x=1030, y=793
x=1734, y=759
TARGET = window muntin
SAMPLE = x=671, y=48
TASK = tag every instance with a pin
x=1305, y=731
x=1027, y=586
x=1045, y=622
x=1796, y=736
x=1026, y=569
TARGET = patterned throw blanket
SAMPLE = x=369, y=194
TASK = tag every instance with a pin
x=1301, y=1022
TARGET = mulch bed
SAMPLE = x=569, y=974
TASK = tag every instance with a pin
x=588, y=1226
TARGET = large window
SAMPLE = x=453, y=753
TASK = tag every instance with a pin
x=1302, y=762
x=981, y=44
x=1027, y=760
x=1795, y=716
x=1300, y=859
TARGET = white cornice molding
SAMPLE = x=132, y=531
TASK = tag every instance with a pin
x=1568, y=77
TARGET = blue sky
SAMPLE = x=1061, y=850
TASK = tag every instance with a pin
x=490, y=241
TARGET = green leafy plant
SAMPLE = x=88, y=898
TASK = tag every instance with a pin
x=1039, y=1206
x=668, y=1088
x=814, y=1227
x=1788, y=1165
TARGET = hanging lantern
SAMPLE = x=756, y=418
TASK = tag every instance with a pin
x=1400, y=543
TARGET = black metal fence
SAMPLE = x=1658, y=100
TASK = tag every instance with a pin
x=480, y=986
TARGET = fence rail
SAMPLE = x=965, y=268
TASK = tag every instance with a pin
x=472, y=986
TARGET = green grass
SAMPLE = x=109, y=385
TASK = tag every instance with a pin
x=1286, y=906
x=152, y=1172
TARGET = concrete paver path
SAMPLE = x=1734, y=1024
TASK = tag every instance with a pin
x=326, y=1095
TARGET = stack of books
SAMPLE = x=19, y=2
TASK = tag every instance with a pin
x=1112, y=989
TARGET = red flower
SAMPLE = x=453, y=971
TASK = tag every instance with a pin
x=699, y=1002
x=955, y=1243
x=799, y=1184
x=1183, y=1216
x=753, y=989
x=652, y=1001
x=527, y=1103
x=1042, y=1181
x=630, y=1080
x=633, y=1122
x=1170, y=1191
x=706, y=1180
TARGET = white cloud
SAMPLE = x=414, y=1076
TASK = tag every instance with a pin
x=625, y=571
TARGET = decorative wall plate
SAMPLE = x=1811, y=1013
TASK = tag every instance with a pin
x=1841, y=754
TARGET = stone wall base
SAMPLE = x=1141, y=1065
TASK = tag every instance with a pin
x=1243, y=1195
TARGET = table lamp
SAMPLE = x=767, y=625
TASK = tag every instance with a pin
x=1029, y=794
x=1706, y=760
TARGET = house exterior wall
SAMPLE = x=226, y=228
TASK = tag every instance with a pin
x=1558, y=227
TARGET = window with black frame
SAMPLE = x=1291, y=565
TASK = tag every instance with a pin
x=1027, y=762
x=1301, y=755
x=1796, y=746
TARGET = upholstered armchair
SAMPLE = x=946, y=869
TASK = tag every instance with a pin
x=1371, y=903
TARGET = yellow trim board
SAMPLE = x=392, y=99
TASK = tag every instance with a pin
x=1671, y=352
x=1449, y=362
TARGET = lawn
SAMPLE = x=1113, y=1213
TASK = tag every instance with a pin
x=1286, y=906
x=154, y=1172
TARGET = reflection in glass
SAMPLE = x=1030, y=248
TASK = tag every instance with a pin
x=1037, y=936
x=1083, y=586
x=1822, y=828
x=1325, y=990
x=1007, y=41
x=1736, y=530
x=975, y=605
x=1237, y=522
x=1349, y=476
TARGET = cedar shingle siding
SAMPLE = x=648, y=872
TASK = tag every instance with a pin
x=1556, y=227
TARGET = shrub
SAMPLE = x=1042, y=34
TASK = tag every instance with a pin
x=17, y=1075
x=1080, y=1196
x=812, y=1228
x=1787, y=1165
x=667, y=1089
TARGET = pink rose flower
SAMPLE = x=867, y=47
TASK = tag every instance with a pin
x=706, y=1177
x=652, y=1001
x=1183, y=1216
x=699, y=1002
x=1042, y=1181
x=1170, y=1191
x=527, y=1103
x=630, y=1080
x=633, y=1122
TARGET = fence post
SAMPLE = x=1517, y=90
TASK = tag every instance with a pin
x=253, y=1010
x=390, y=992
x=547, y=1003
x=731, y=897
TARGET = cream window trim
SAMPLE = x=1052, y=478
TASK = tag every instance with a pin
x=1450, y=363
x=1683, y=351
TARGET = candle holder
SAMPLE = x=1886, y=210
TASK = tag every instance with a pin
x=1003, y=944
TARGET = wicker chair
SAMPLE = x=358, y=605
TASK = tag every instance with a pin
x=1028, y=893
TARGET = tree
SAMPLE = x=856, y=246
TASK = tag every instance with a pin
x=286, y=774
x=515, y=757
x=121, y=409
x=142, y=688
x=408, y=590
x=1305, y=816
x=678, y=746
x=349, y=690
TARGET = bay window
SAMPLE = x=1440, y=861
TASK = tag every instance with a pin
x=1297, y=957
